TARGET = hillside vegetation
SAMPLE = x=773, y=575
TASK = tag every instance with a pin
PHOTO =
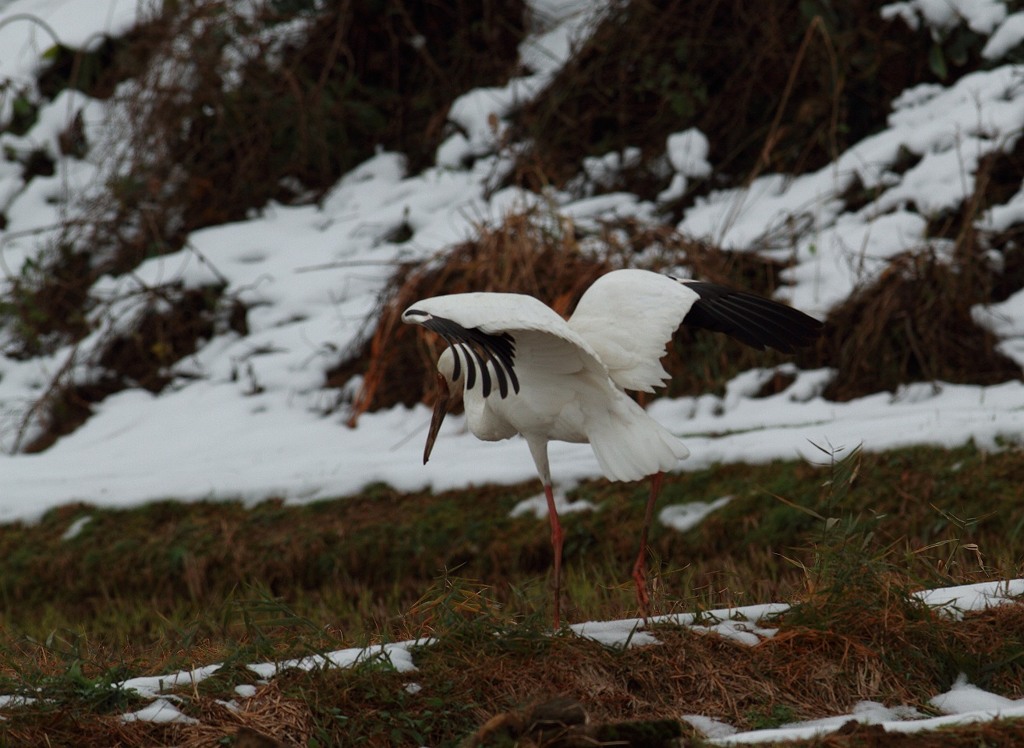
x=318, y=90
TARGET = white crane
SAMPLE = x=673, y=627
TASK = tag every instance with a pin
x=523, y=369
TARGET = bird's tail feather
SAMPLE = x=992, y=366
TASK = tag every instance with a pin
x=630, y=445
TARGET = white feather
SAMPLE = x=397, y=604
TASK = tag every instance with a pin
x=629, y=444
x=628, y=317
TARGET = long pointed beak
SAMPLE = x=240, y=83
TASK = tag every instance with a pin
x=440, y=411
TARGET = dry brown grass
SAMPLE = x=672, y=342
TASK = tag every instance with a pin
x=855, y=632
x=268, y=714
x=172, y=570
x=913, y=324
x=801, y=673
x=811, y=672
x=493, y=675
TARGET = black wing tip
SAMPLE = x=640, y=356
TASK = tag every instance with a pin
x=756, y=321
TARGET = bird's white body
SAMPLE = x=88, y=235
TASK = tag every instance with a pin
x=567, y=390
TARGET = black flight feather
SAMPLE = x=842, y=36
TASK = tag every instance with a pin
x=479, y=347
x=751, y=319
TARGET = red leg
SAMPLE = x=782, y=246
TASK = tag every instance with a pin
x=556, y=547
x=640, y=567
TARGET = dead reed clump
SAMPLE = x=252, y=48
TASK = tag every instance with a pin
x=799, y=674
x=912, y=324
x=896, y=654
x=521, y=255
x=894, y=646
x=499, y=667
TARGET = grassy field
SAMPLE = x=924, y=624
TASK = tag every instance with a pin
x=171, y=586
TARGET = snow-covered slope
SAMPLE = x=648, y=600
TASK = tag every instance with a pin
x=245, y=415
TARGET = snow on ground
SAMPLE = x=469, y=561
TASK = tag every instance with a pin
x=28, y=28
x=159, y=710
x=683, y=517
x=246, y=417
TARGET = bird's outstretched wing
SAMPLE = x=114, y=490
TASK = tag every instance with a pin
x=629, y=316
x=493, y=328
